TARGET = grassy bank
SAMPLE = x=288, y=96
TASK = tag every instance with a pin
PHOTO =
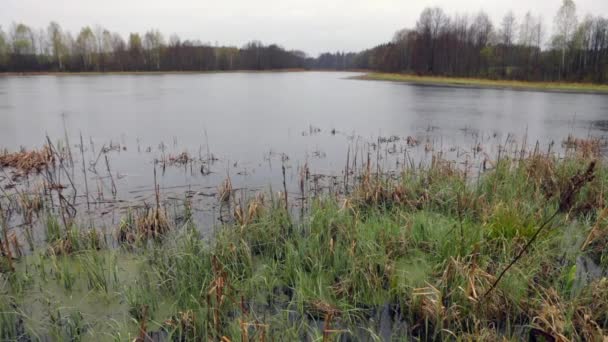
x=485, y=83
x=416, y=256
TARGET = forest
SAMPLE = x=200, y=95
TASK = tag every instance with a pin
x=440, y=44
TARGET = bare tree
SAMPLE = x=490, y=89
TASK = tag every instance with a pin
x=565, y=24
x=106, y=42
x=98, y=32
x=508, y=29
x=507, y=33
x=23, y=41
x=87, y=46
x=538, y=32
x=136, y=51
x=119, y=48
x=99, y=50
x=153, y=43
x=56, y=39
x=401, y=35
x=430, y=25
x=42, y=43
x=526, y=30
x=482, y=29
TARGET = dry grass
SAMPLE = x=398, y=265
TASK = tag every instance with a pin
x=126, y=232
x=412, y=142
x=181, y=159
x=152, y=224
x=551, y=314
x=375, y=190
x=585, y=148
x=320, y=308
x=28, y=161
x=254, y=210
x=31, y=202
x=597, y=239
x=550, y=317
x=225, y=190
x=185, y=322
x=592, y=307
x=149, y=223
x=62, y=246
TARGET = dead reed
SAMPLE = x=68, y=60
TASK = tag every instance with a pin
x=28, y=161
x=225, y=190
x=585, y=147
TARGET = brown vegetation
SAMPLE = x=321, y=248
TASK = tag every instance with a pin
x=28, y=161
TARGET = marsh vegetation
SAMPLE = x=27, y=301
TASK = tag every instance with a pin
x=514, y=250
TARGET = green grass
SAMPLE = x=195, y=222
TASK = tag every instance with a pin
x=487, y=83
x=428, y=245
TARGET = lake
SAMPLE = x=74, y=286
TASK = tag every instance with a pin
x=253, y=123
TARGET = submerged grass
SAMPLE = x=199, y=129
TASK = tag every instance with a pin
x=410, y=257
x=478, y=82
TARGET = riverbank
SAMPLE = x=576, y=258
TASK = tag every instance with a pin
x=424, y=254
x=485, y=83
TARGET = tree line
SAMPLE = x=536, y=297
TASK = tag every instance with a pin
x=24, y=49
x=473, y=46
x=439, y=44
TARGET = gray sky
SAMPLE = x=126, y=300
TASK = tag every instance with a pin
x=310, y=25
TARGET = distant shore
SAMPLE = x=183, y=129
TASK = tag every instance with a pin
x=168, y=72
x=486, y=83
x=176, y=72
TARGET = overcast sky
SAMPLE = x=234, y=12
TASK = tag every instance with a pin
x=310, y=25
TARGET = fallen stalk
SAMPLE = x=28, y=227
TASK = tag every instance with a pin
x=576, y=183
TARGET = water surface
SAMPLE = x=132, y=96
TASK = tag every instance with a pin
x=249, y=121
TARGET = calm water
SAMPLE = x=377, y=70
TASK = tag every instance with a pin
x=248, y=120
